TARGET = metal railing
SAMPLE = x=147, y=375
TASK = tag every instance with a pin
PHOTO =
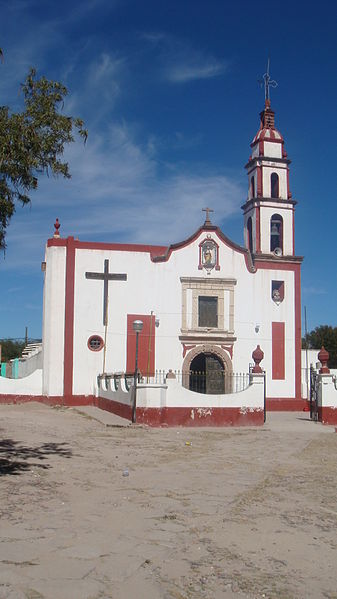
x=212, y=382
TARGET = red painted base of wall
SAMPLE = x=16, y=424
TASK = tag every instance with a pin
x=151, y=416
x=53, y=400
x=177, y=416
x=210, y=417
x=183, y=416
x=113, y=406
x=286, y=404
x=327, y=415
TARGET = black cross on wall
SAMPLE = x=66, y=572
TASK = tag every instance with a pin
x=106, y=276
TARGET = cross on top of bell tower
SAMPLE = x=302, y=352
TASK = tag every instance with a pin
x=268, y=82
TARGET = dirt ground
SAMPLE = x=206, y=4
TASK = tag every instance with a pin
x=90, y=511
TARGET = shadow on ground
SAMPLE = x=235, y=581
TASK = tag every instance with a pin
x=15, y=458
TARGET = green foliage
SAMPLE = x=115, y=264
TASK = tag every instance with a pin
x=11, y=349
x=32, y=143
x=326, y=336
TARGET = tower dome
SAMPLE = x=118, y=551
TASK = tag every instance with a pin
x=267, y=132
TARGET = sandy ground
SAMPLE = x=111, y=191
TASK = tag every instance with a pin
x=207, y=513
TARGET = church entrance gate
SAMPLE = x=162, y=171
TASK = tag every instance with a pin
x=207, y=374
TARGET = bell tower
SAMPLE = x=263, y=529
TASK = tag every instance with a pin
x=269, y=209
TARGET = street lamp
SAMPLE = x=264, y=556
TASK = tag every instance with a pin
x=137, y=326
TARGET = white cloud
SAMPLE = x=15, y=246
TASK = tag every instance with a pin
x=119, y=192
x=314, y=291
x=181, y=62
x=181, y=73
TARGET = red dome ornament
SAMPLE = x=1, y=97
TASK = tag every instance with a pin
x=323, y=356
x=57, y=226
x=257, y=356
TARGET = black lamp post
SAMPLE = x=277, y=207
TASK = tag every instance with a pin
x=137, y=326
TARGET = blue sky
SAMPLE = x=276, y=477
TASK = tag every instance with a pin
x=169, y=93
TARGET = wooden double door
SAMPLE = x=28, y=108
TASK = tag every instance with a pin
x=207, y=374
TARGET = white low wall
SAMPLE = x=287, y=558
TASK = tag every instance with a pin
x=107, y=390
x=30, y=364
x=174, y=395
x=30, y=385
x=326, y=392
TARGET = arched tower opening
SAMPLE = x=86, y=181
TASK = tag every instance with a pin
x=274, y=185
x=276, y=233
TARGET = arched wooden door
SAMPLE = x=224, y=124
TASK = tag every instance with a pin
x=207, y=374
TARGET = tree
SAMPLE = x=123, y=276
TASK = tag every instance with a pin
x=11, y=349
x=32, y=143
x=326, y=336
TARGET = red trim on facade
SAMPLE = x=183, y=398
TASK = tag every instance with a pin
x=157, y=417
x=228, y=348
x=258, y=230
x=327, y=415
x=278, y=350
x=146, y=344
x=259, y=181
x=52, y=400
x=151, y=416
x=229, y=416
x=154, y=250
x=298, y=331
x=115, y=407
x=69, y=319
x=187, y=348
x=157, y=253
x=285, y=404
x=296, y=269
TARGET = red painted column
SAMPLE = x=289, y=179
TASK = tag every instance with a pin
x=298, y=331
x=258, y=230
x=259, y=181
x=69, y=319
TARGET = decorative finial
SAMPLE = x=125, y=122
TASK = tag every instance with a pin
x=323, y=356
x=57, y=226
x=257, y=356
x=207, y=220
x=268, y=82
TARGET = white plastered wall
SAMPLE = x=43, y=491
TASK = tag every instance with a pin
x=53, y=321
x=272, y=149
x=157, y=287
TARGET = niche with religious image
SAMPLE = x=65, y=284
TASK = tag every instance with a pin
x=277, y=291
x=208, y=255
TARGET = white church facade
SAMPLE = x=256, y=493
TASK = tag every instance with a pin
x=205, y=303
